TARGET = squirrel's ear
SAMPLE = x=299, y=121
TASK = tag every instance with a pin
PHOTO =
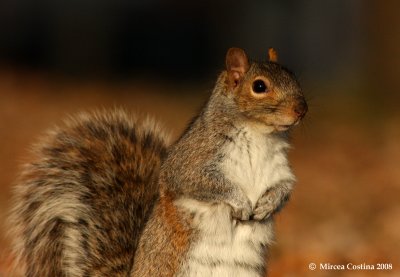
x=237, y=65
x=272, y=55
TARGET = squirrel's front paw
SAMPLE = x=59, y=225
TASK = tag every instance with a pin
x=271, y=202
x=265, y=207
x=241, y=211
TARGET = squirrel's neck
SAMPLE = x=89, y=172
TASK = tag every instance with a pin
x=221, y=109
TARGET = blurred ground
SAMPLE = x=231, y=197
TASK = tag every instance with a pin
x=346, y=204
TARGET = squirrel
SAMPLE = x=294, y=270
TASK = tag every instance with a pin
x=109, y=195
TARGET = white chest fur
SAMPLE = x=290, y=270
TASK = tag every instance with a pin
x=225, y=247
x=256, y=162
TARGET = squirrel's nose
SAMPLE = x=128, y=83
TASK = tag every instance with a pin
x=301, y=107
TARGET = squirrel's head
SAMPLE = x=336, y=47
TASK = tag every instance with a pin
x=264, y=92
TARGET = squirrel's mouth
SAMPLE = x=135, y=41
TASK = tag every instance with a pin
x=284, y=127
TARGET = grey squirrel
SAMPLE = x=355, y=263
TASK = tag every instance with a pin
x=107, y=195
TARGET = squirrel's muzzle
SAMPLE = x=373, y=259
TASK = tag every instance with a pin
x=300, y=108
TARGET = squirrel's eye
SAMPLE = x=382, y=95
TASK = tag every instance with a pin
x=259, y=86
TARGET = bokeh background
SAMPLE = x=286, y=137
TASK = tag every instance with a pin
x=162, y=58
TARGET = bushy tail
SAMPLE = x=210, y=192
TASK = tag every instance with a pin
x=81, y=204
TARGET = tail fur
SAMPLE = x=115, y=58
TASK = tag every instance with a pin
x=81, y=204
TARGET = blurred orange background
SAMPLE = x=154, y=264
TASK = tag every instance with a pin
x=162, y=58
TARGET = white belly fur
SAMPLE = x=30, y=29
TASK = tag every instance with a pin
x=225, y=247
